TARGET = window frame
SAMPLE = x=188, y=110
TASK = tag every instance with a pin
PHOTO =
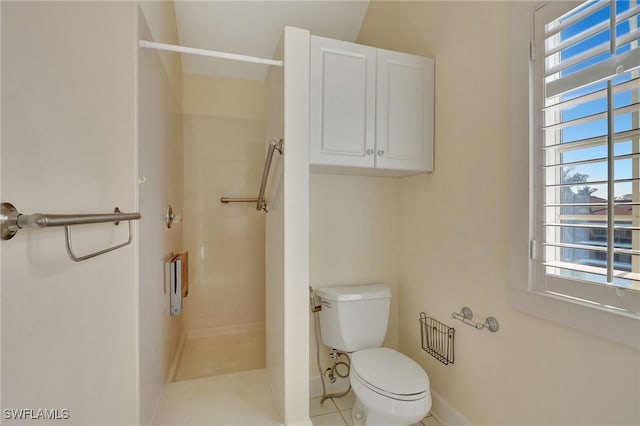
x=528, y=293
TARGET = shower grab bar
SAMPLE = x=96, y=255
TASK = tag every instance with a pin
x=262, y=204
x=273, y=145
x=11, y=221
x=227, y=200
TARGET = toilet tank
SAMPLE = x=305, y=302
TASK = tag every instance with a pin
x=354, y=317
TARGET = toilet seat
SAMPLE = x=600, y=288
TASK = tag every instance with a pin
x=390, y=373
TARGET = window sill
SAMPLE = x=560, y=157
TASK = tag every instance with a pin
x=619, y=328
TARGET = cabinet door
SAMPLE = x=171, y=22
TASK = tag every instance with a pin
x=404, y=119
x=342, y=122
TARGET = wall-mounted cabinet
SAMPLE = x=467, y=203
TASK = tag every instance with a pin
x=371, y=110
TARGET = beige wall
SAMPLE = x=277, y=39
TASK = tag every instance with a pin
x=354, y=239
x=223, y=97
x=69, y=335
x=160, y=169
x=223, y=157
x=455, y=227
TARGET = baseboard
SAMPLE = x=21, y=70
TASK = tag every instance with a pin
x=445, y=413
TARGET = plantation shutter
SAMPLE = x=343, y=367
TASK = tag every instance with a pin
x=588, y=159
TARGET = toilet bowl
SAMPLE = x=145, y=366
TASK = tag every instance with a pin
x=390, y=388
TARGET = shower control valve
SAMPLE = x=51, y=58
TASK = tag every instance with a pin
x=170, y=217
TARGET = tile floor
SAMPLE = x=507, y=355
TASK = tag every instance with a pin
x=236, y=399
x=337, y=412
x=241, y=399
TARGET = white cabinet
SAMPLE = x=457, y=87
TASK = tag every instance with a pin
x=343, y=84
x=371, y=110
x=404, y=112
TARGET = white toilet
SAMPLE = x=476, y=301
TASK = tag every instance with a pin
x=391, y=389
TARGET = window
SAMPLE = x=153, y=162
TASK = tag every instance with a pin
x=586, y=158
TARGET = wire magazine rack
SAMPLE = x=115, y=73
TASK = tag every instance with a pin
x=437, y=339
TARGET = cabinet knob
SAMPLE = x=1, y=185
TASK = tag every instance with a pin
x=369, y=152
x=380, y=152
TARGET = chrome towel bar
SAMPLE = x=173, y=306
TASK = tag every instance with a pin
x=11, y=221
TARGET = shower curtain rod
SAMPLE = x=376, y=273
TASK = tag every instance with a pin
x=211, y=53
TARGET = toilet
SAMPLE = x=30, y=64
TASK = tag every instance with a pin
x=391, y=389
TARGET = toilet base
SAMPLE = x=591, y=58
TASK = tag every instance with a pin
x=373, y=409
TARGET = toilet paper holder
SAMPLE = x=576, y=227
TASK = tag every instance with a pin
x=466, y=316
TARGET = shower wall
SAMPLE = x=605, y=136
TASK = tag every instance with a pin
x=160, y=163
x=223, y=122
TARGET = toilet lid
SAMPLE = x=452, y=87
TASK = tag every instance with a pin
x=390, y=371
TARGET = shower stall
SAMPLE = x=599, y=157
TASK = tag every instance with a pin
x=248, y=275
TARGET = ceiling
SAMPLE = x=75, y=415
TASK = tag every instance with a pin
x=255, y=27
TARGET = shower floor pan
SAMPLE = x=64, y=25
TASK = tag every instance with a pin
x=218, y=351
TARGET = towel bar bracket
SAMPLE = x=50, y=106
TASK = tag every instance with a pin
x=9, y=218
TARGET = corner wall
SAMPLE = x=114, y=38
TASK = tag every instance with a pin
x=160, y=172
x=456, y=238
x=161, y=20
